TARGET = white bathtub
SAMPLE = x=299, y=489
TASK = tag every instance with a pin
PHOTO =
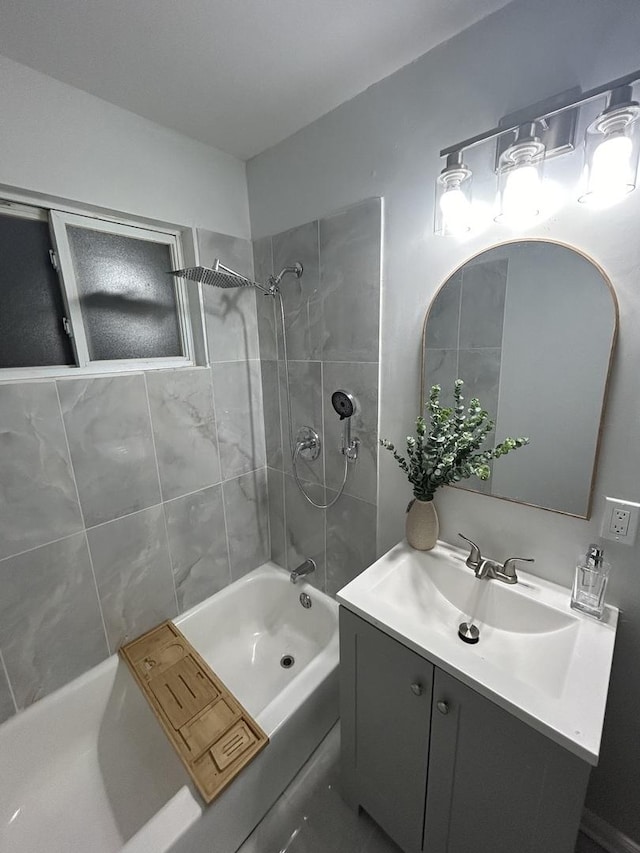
x=89, y=769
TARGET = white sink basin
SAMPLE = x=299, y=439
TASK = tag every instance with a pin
x=536, y=657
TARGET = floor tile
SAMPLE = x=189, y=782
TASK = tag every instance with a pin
x=587, y=845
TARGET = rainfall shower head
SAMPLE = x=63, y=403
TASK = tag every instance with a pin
x=217, y=276
x=221, y=276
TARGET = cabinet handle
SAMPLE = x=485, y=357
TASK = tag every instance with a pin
x=417, y=688
x=443, y=707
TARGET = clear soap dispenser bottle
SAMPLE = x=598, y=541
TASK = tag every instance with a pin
x=590, y=584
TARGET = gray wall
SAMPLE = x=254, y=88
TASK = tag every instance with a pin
x=128, y=499
x=332, y=330
x=385, y=142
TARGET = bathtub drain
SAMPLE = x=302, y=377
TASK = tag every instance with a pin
x=287, y=661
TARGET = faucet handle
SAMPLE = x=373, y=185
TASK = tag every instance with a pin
x=509, y=567
x=475, y=557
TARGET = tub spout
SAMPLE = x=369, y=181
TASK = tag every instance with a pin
x=303, y=569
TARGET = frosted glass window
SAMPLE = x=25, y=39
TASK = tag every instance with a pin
x=128, y=302
x=32, y=306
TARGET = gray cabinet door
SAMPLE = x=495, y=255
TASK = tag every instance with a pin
x=495, y=784
x=386, y=692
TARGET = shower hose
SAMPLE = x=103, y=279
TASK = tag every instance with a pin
x=295, y=451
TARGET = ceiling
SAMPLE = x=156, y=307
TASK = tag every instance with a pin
x=240, y=75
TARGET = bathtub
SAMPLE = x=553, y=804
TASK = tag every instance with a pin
x=88, y=767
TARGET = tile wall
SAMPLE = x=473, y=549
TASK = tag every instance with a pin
x=125, y=500
x=332, y=332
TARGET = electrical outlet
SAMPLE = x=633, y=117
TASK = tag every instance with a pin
x=620, y=521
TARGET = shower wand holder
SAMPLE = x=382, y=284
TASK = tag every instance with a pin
x=351, y=449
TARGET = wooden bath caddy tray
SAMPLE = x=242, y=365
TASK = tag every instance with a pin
x=210, y=730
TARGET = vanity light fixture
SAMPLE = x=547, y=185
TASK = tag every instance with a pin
x=453, y=197
x=612, y=146
x=535, y=134
x=520, y=177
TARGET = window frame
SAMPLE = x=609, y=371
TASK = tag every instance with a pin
x=58, y=219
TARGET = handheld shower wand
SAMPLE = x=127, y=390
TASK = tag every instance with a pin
x=346, y=405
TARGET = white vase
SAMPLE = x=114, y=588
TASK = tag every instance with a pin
x=422, y=526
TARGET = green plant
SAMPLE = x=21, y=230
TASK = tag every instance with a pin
x=447, y=448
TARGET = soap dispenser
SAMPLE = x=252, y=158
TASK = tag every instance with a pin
x=590, y=584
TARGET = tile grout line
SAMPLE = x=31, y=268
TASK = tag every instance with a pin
x=43, y=545
x=84, y=522
x=222, y=482
x=164, y=514
x=9, y=685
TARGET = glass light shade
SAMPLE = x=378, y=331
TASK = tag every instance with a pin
x=453, y=214
x=520, y=181
x=612, y=149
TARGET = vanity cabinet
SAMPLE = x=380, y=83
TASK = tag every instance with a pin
x=441, y=768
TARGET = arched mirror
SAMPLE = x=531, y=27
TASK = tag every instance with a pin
x=530, y=327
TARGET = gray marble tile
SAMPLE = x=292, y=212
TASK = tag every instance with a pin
x=198, y=545
x=351, y=540
x=268, y=324
x=234, y=252
x=301, y=296
x=109, y=431
x=262, y=259
x=350, y=282
x=444, y=315
x=275, y=484
x=133, y=573
x=362, y=475
x=38, y=500
x=305, y=382
x=305, y=529
x=441, y=368
x=482, y=304
x=480, y=371
x=265, y=306
x=237, y=390
x=230, y=315
x=184, y=430
x=50, y=625
x=247, y=513
x=271, y=407
x=7, y=708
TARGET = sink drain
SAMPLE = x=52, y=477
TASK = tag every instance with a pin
x=287, y=661
x=468, y=633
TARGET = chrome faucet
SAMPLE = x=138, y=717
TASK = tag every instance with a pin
x=303, y=569
x=489, y=569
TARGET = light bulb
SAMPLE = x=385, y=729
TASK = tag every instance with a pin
x=521, y=195
x=611, y=176
x=456, y=211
